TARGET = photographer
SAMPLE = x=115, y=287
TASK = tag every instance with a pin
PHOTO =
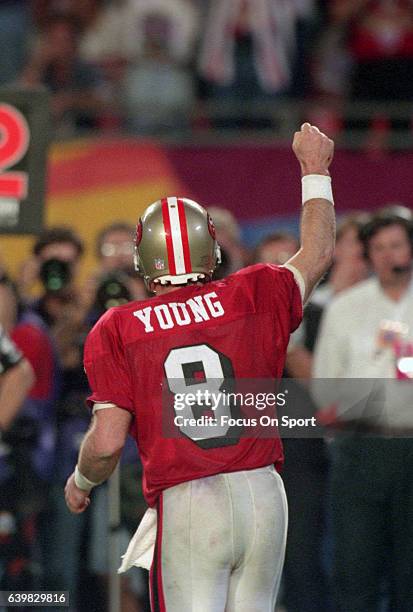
x=55, y=260
x=114, y=252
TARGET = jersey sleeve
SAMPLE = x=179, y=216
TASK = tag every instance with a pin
x=106, y=366
x=276, y=288
x=286, y=294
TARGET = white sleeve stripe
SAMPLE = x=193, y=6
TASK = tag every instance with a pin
x=102, y=406
x=298, y=278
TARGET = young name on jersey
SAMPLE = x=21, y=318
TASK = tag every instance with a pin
x=195, y=310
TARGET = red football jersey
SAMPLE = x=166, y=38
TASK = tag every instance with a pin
x=237, y=327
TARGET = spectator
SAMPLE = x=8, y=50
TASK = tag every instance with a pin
x=369, y=44
x=366, y=53
x=400, y=210
x=143, y=49
x=120, y=30
x=233, y=254
x=371, y=476
x=56, y=256
x=115, y=281
x=158, y=87
x=332, y=61
x=103, y=45
x=56, y=242
x=247, y=51
x=276, y=248
x=381, y=43
x=115, y=247
x=349, y=264
x=75, y=86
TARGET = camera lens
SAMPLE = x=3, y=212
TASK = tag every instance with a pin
x=55, y=274
x=112, y=291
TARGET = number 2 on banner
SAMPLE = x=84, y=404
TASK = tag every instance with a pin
x=14, y=142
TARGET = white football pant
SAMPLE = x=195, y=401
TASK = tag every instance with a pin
x=220, y=544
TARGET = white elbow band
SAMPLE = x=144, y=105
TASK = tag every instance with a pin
x=101, y=406
x=316, y=186
x=82, y=482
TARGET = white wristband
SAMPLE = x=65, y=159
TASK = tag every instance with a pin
x=82, y=482
x=316, y=186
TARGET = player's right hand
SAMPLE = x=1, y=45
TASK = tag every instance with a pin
x=313, y=149
x=77, y=500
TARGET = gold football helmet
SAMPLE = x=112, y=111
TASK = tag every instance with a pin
x=175, y=243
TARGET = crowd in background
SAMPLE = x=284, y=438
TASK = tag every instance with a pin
x=155, y=66
x=44, y=546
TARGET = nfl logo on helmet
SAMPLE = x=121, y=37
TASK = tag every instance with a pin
x=159, y=263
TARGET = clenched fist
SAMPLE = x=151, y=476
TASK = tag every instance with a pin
x=77, y=500
x=313, y=149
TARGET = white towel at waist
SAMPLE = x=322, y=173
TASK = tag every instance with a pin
x=142, y=545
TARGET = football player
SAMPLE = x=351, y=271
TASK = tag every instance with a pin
x=214, y=535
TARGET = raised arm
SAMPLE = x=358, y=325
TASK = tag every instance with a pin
x=314, y=151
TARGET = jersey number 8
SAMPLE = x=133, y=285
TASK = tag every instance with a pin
x=203, y=372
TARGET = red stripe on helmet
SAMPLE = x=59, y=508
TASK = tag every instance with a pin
x=138, y=233
x=184, y=234
x=168, y=236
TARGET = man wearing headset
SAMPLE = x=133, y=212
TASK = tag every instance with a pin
x=367, y=333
